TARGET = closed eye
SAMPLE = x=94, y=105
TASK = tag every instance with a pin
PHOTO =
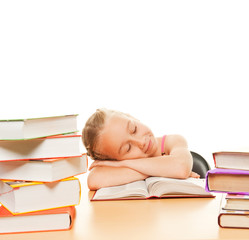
x=135, y=130
x=129, y=147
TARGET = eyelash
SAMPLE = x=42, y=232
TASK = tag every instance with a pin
x=135, y=130
x=129, y=145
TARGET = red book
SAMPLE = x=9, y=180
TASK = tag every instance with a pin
x=48, y=220
x=231, y=160
x=228, y=181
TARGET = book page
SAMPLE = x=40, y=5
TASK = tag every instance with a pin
x=159, y=186
x=7, y=197
x=131, y=190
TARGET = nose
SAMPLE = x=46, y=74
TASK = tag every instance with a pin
x=139, y=142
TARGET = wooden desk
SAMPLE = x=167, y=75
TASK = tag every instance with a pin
x=141, y=219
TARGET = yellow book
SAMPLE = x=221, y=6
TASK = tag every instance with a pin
x=24, y=197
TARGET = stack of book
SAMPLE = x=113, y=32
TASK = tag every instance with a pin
x=231, y=177
x=39, y=159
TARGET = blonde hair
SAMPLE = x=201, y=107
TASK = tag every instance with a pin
x=92, y=130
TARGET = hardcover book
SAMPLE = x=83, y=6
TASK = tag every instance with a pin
x=233, y=219
x=39, y=148
x=16, y=129
x=228, y=181
x=45, y=170
x=22, y=197
x=231, y=160
x=235, y=202
x=155, y=187
x=48, y=220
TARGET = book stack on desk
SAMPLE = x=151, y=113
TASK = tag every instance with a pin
x=231, y=177
x=39, y=159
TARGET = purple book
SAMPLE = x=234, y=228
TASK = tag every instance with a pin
x=225, y=171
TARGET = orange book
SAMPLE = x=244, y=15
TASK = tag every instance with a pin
x=48, y=220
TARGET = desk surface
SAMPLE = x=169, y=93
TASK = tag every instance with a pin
x=142, y=219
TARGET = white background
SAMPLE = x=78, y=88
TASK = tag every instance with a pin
x=178, y=66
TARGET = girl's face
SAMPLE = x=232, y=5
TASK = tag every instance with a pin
x=124, y=137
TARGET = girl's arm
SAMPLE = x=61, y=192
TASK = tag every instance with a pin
x=106, y=176
x=177, y=164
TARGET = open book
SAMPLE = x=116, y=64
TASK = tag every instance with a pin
x=158, y=187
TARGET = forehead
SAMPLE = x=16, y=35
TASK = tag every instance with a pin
x=113, y=135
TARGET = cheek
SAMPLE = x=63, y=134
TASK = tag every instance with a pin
x=134, y=154
x=107, y=148
x=145, y=130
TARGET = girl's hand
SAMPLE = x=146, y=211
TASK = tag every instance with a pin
x=194, y=175
x=106, y=163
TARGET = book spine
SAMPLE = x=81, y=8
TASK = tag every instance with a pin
x=206, y=182
x=214, y=157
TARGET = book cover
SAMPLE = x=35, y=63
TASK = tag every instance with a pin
x=47, y=220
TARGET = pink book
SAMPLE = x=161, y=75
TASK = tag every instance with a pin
x=227, y=181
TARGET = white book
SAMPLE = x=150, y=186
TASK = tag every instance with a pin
x=232, y=160
x=16, y=129
x=46, y=170
x=23, y=197
x=152, y=187
x=233, y=219
x=48, y=220
x=49, y=147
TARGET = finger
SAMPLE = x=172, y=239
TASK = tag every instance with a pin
x=196, y=175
